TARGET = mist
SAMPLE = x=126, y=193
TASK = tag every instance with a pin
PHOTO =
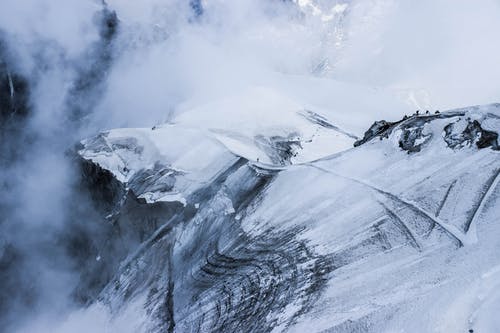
x=89, y=66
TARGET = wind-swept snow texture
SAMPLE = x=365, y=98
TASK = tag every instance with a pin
x=257, y=234
x=209, y=166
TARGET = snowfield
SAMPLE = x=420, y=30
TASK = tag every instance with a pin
x=291, y=228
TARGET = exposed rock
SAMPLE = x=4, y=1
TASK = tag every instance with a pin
x=412, y=139
x=473, y=133
x=412, y=134
x=106, y=191
x=379, y=129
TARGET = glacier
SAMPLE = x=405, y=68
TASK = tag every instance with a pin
x=233, y=233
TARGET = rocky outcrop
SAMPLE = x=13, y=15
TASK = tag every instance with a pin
x=413, y=133
x=473, y=134
x=380, y=128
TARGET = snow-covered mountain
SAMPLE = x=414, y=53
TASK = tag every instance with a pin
x=240, y=233
x=247, y=166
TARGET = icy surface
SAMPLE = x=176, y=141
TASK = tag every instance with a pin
x=278, y=230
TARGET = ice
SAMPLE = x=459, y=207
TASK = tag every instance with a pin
x=371, y=232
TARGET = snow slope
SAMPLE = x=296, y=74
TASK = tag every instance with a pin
x=279, y=234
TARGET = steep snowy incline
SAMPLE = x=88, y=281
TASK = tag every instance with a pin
x=249, y=237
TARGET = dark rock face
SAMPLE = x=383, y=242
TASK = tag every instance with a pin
x=473, y=133
x=488, y=139
x=411, y=139
x=106, y=192
x=379, y=128
x=123, y=222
